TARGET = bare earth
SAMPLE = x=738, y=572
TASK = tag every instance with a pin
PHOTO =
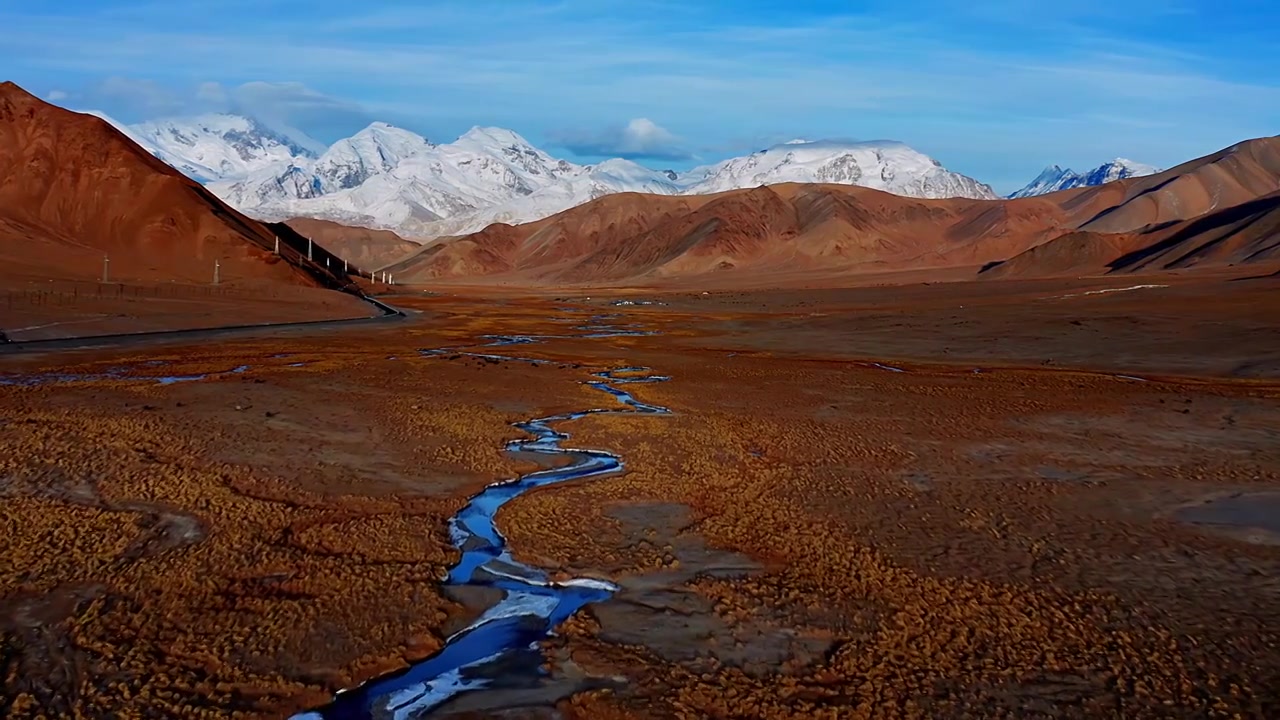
x=1063, y=507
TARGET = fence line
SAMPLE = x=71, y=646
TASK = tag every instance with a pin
x=326, y=268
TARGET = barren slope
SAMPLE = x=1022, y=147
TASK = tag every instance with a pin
x=361, y=247
x=1242, y=235
x=73, y=189
x=76, y=195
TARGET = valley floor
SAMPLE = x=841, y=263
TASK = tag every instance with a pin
x=983, y=499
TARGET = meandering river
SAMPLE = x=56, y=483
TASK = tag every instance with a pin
x=532, y=605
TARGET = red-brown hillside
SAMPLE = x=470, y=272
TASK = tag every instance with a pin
x=1240, y=235
x=73, y=189
x=361, y=247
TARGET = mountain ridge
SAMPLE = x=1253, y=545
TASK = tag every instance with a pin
x=1217, y=212
x=391, y=178
x=1055, y=178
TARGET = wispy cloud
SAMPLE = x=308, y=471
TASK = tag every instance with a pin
x=994, y=88
x=639, y=139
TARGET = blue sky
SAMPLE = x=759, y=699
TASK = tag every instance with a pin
x=996, y=89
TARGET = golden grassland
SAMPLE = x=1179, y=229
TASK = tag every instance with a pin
x=801, y=538
x=143, y=570
x=940, y=582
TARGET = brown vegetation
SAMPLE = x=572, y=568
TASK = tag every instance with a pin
x=807, y=535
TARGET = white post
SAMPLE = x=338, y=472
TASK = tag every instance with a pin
x=371, y=277
x=391, y=279
x=326, y=262
x=277, y=244
x=344, y=265
x=308, y=248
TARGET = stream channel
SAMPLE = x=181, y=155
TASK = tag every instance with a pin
x=505, y=638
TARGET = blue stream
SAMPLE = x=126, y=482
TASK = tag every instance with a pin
x=532, y=604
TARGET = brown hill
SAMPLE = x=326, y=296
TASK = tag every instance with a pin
x=73, y=189
x=756, y=232
x=1244, y=234
x=1212, y=212
x=363, y=248
x=1230, y=177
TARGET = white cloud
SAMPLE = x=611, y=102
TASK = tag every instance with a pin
x=145, y=97
x=639, y=138
x=212, y=92
x=283, y=106
x=290, y=105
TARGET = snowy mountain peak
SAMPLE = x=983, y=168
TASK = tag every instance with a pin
x=219, y=145
x=210, y=147
x=494, y=137
x=1136, y=169
x=385, y=132
x=374, y=150
x=881, y=164
x=1055, y=178
x=625, y=175
x=388, y=177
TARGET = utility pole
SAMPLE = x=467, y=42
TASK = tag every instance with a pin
x=106, y=266
x=216, y=267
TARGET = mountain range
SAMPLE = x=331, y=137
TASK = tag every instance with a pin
x=1220, y=212
x=73, y=190
x=391, y=178
x=1055, y=178
x=385, y=177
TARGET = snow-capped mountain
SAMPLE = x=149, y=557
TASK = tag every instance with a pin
x=388, y=177
x=393, y=178
x=489, y=175
x=217, y=146
x=1055, y=178
x=889, y=166
x=377, y=149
